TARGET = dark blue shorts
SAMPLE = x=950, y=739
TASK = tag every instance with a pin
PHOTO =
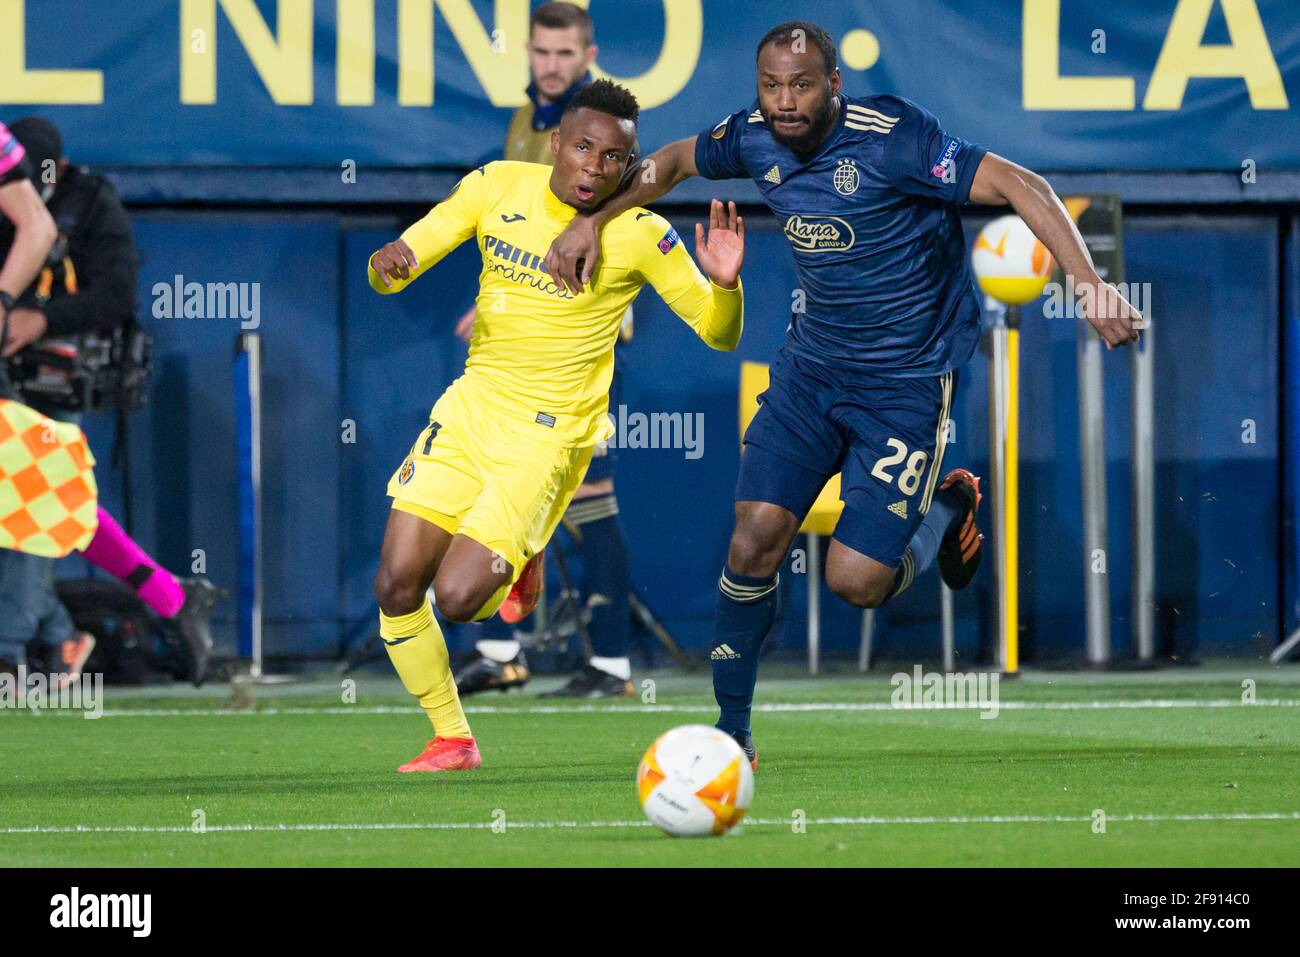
x=885, y=437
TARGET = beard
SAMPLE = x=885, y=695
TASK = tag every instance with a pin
x=819, y=126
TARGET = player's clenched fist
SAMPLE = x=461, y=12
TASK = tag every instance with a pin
x=1113, y=316
x=394, y=260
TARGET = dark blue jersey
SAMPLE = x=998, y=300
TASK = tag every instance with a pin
x=872, y=220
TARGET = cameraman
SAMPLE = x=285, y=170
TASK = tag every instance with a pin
x=29, y=610
x=86, y=290
x=25, y=217
x=87, y=284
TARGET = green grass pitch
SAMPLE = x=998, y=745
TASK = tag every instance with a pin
x=1185, y=773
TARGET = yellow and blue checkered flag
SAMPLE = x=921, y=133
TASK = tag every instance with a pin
x=48, y=497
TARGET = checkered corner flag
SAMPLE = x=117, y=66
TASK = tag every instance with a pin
x=48, y=497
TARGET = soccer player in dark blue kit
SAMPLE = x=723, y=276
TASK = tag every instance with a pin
x=868, y=190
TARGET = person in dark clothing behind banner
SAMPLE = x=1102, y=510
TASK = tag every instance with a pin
x=88, y=287
x=88, y=281
x=26, y=614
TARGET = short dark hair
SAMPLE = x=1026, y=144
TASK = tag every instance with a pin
x=607, y=97
x=559, y=16
x=783, y=34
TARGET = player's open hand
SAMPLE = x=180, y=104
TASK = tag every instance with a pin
x=1113, y=316
x=574, y=253
x=394, y=260
x=721, y=251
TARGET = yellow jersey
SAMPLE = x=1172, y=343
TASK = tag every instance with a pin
x=528, y=145
x=540, y=356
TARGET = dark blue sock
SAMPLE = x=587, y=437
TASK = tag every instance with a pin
x=945, y=507
x=606, y=577
x=746, y=608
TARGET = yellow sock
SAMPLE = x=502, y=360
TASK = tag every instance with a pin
x=418, y=651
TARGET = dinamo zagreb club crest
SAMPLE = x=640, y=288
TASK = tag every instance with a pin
x=845, y=177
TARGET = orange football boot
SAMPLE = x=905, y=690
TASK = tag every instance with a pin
x=746, y=742
x=525, y=592
x=446, y=754
x=74, y=653
x=960, y=551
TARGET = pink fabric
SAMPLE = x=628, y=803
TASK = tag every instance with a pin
x=11, y=151
x=117, y=553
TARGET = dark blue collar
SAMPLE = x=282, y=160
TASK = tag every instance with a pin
x=546, y=115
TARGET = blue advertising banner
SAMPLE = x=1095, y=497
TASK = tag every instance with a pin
x=1055, y=84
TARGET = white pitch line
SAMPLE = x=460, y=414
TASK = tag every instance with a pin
x=769, y=708
x=584, y=825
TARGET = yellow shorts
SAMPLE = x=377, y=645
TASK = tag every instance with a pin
x=473, y=475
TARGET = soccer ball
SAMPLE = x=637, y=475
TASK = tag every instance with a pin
x=1010, y=263
x=695, y=781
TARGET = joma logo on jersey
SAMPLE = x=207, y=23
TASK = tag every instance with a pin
x=819, y=234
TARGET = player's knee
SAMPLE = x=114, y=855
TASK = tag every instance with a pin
x=455, y=604
x=460, y=601
x=396, y=594
x=752, y=555
x=859, y=591
x=757, y=548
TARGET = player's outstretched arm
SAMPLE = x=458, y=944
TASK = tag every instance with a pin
x=656, y=175
x=999, y=182
x=397, y=264
x=715, y=307
x=721, y=253
x=393, y=262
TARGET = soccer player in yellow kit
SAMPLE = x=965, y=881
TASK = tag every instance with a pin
x=509, y=441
